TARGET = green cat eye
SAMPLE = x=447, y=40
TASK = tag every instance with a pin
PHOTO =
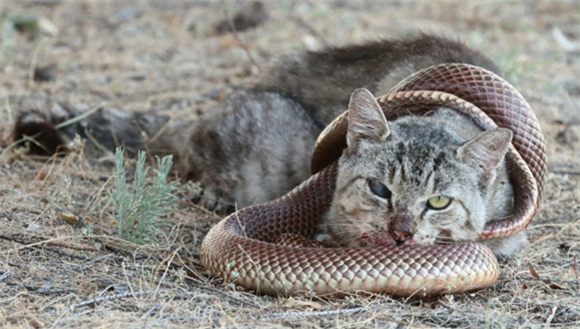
x=439, y=202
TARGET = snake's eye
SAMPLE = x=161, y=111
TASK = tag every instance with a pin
x=379, y=188
x=439, y=202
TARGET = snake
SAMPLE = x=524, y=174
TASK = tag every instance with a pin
x=244, y=247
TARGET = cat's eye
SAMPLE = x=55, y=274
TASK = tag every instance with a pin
x=439, y=202
x=379, y=188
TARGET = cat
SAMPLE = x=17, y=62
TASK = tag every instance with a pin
x=418, y=179
x=258, y=143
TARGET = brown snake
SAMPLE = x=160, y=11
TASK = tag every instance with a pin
x=241, y=248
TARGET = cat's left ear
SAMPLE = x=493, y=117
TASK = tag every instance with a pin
x=366, y=119
x=487, y=150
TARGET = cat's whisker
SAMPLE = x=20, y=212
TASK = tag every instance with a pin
x=444, y=240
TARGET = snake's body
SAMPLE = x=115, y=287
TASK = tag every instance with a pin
x=241, y=247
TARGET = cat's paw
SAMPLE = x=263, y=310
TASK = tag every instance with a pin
x=505, y=247
x=211, y=199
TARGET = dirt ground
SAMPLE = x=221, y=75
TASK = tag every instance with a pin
x=69, y=271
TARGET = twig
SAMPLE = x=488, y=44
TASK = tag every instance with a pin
x=555, y=164
x=113, y=297
x=80, y=116
x=168, y=261
x=5, y=275
x=92, y=261
x=144, y=138
x=240, y=41
x=311, y=314
x=551, y=317
x=161, y=131
x=565, y=172
x=49, y=291
x=9, y=110
x=95, y=142
x=33, y=140
x=34, y=61
x=50, y=242
x=222, y=293
x=150, y=311
x=312, y=31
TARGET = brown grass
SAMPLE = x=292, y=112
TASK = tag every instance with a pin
x=60, y=265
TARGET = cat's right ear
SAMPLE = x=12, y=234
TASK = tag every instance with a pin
x=487, y=150
x=366, y=120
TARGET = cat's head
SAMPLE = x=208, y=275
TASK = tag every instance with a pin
x=412, y=180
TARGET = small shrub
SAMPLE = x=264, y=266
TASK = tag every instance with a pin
x=140, y=205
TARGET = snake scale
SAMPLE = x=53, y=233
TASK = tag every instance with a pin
x=242, y=247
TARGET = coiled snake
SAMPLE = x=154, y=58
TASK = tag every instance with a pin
x=241, y=247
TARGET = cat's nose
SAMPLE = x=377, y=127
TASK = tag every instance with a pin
x=401, y=227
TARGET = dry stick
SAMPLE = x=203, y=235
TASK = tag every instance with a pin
x=95, y=141
x=161, y=131
x=231, y=319
x=242, y=227
x=169, y=261
x=113, y=297
x=236, y=299
x=567, y=164
x=240, y=41
x=55, y=167
x=34, y=61
x=221, y=292
x=149, y=311
x=51, y=242
x=92, y=261
x=9, y=110
x=128, y=282
x=202, y=209
x=551, y=316
x=74, y=316
x=143, y=137
x=80, y=116
x=217, y=291
x=312, y=31
x=5, y=275
x=563, y=172
x=33, y=140
x=311, y=314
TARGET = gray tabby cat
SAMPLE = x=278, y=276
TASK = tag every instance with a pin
x=427, y=179
x=257, y=146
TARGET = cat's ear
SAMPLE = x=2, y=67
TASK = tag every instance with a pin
x=366, y=119
x=486, y=151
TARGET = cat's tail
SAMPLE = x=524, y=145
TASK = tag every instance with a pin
x=50, y=131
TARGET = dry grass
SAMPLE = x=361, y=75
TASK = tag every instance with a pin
x=60, y=265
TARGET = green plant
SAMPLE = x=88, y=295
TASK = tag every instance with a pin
x=140, y=205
